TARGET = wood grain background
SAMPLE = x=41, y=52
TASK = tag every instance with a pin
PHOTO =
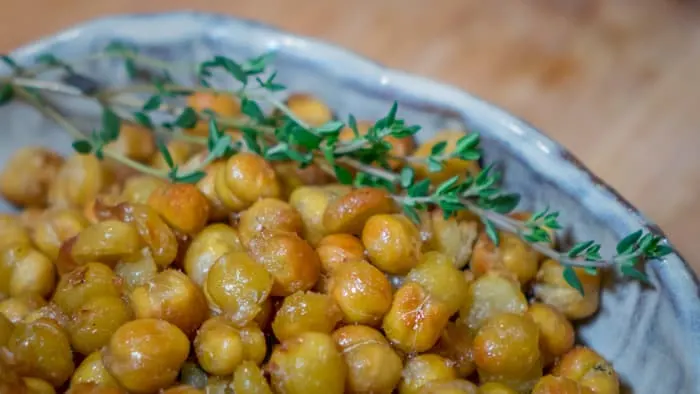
x=615, y=81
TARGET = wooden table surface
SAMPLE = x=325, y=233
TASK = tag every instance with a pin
x=615, y=81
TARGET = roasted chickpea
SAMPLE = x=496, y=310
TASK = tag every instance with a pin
x=336, y=249
x=559, y=385
x=488, y=296
x=219, y=347
x=237, y=286
x=551, y=288
x=400, y=147
x=12, y=231
x=43, y=351
x=415, y=321
x=138, y=188
x=136, y=270
x=556, y=332
x=373, y=366
x=254, y=343
x=87, y=282
x=207, y=186
x=362, y=292
x=106, y=242
x=457, y=386
x=249, y=379
x=392, y=243
x=495, y=388
x=350, y=212
x=221, y=104
x=309, y=109
x=451, y=167
x=182, y=206
x=38, y=386
x=79, y=180
x=292, y=177
x=303, y=312
x=134, y=141
x=292, y=262
x=49, y=311
x=455, y=344
x=173, y=297
x=452, y=237
x=307, y=364
x=183, y=389
x=24, y=270
x=437, y=274
x=15, y=309
x=506, y=349
x=6, y=328
x=245, y=179
x=27, y=176
x=145, y=355
x=311, y=203
x=208, y=246
x=589, y=369
x=423, y=369
x=92, y=388
x=95, y=321
x=54, y=227
x=92, y=370
x=268, y=214
x=180, y=151
x=512, y=255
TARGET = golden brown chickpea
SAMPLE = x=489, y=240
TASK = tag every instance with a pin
x=268, y=214
x=54, y=227
x=182, y=206
x=457, y=386
x=27, y=175
x=237, y=286
x=43, y=351
x=219, y=347
x=392, y=243
x=400, y=147
x=350, y=212
x=455, y=344
x=208, y=246
x=309, y=109
x=506, y=350
x=415, y=321
x=495, y=388
x=437, y=274
x=373, y=366
x=87, y=282
x=15, y=309
x=38, y=386
x=556, y=332
x=311, y=203
x=49, y=311
x=551, y=288
x=488, y=296
x=336, y=249
x=512, y=255
x=180, y=151
x=292, y=262
x=245, y=179
x=183, y=389
x=249, y=379
x=264, y=318
x=254, y=343
x=138, y=188
x=106, y=242
x=6, y=328
x=145, y=355
x=134, y=141
x=207, y=186
x=137, y=270
x=451, y=167
x=92, y=370
x=362, y=292
x=589, y=369
x=80, y=179
x=173, y=297
x=307, y=364
x=92, y=388
x=222, y=104
x=303, y=312
x=452, y=237
x=10, y=380
x=95, y=321
x=559, y=385
x=12, y=231
x=423, y=369
x=24, y=270
x=292, y=177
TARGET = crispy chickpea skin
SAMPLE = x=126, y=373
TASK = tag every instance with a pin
x=589, y=369
x=173, y=297
x=222, y=104
x=457, y=386
x=254, y=343
x=451, y=167
x=15, y=309
x=134, y=141
x=79, y=180
x=92, y=370
x=95, y=321
x=24, y=270
x=245, y=179
x=350, y=212
x=392, y=243
x=138, y=188
x=308, y=364
x=219, y=347
x=415, y=321
x=559, y=385
x=495, y=388
x=400, y=147
x=292, y=262
x=362, y=292
x=488, y=296
x=183, y=389
x=6, y=328
x=268, y=214
x=337, y=249
x=43, y=351
x=373, y=366
x=423, y=369
x=182, y=206
x=551, y=288
x=136, y=270
x=92, y=388
x=145, y=355
x=249, y=379
x=39, y=386
x=512, y=255
x=303, y=312
x=89, y=281
x=506, y=350
x=12, y=231
x=437, y=274
x=292, y=177
x=54, y=227
x=455, y=344
x=309, y=109
x=208, y=246
x=311, y=203
x=207, y=186
x=556, y=332
x=27, y=176
x=106, y=242
x=452, y=237
x=237, y=286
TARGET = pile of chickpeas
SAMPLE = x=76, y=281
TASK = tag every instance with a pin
x=267, y=278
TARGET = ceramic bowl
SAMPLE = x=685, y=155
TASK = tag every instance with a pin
x=651, y=335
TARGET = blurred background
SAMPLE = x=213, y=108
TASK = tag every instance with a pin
x=615, y=81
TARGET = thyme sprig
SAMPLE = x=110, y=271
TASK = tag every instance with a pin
x=283, y=136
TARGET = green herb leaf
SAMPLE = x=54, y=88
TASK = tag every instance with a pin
x=503, y=203
x=306, y=138
x=166, y=154
x=470, y=155
x=110, y=125
x=579, y=248
x=221, y=147
x=82, y=146
x=6, y=93
x=143, y=120
x=250, y=137
x=352, y=123
x=419, y=189
x=213, y=135
x=344, y=176
x=661, y=251
x=391, y=116
x=438, y=148
x=10, y=62
x=491, y=231
x=467, y=143
x=232, y=67
x=407, y=176
x=251, y=109
x=192, y=177
x=412, y=214
x=630, y=271
x=572, y=279
x=628, y=243
x=446, y=186
x=433, y=165
x=187, y=119
x=591, y=270
x=330, y=128
x=152, y=103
